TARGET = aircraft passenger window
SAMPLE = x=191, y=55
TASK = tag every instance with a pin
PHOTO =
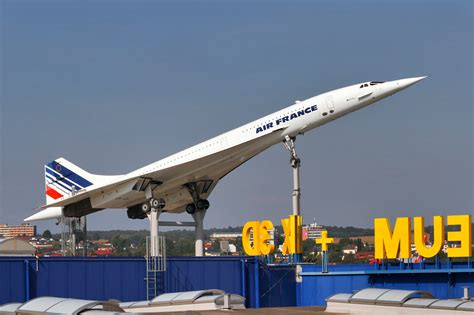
x=361, y=86
x=366, y=85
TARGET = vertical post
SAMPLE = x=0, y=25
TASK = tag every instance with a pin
x=85, y=236
x=466, y=293
x=27, y=280
x=256, y=283
x=153, y=217
x=296, y=195
x=295, y=163
x=73, y=244
x=242, y=264
x=198, y=217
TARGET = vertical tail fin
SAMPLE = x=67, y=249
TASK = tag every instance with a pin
x=63, y=179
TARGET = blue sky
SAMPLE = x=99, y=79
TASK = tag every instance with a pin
x=115, y=85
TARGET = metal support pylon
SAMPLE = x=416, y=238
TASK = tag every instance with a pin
x=295, y=163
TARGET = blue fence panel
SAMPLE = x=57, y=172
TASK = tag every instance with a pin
x=277, y=286
x=122, y=278
x=12, y=280
x=442, y=283
x=191, y=273
x=262, y=285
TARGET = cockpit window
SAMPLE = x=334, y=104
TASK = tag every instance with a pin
x=371, y=83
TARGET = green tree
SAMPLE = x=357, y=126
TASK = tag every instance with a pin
x=47, y=234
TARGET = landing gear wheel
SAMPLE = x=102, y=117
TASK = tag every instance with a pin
x=200, y=204
x=158, y=203
x=206, y=204
x=146, y=207
x=190, y=208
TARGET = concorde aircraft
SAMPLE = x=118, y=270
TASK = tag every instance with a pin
x=184, y=181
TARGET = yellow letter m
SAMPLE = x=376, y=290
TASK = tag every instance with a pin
x=392, y=245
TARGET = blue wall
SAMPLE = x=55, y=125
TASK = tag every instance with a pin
x=263, y=285
x=443, y=282
x=123, y=278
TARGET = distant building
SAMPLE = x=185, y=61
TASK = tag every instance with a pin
x=312, y=231
x=16, y=247
x=364, y=255
x=41, y=243
x=350, y=250
x=22, y=230
x=222, y=236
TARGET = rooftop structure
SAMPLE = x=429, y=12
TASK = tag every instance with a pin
x=16, y=247
x=225, y=236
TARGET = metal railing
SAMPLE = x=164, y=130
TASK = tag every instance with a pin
x=155, y=265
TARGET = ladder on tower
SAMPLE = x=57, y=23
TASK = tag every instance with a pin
x=155, y=265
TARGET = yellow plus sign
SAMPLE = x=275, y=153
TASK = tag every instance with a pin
x=324, y=240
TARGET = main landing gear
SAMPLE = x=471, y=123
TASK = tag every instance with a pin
x=198, y=203
x=153, y=204
x=201, y=204
x=198, y=210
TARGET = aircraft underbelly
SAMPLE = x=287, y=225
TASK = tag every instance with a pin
x=117, y=197
x=211, y=167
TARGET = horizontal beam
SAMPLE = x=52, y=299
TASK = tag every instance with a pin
x=385, y=272
x=176, y=223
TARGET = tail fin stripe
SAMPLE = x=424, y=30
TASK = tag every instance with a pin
x=59, y=185
x=64, y=171
x=59, y=189
x=58, y=178
x=69, y=181
x=53, y=193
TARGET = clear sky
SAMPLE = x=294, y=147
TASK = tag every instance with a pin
x=115, y=85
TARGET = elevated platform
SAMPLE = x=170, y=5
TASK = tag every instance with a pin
x=261, y=284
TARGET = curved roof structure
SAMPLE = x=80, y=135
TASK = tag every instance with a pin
x=16, y=247
x=377, y=298
x=55, y=305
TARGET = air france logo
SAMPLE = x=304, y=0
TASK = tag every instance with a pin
x=284, y=119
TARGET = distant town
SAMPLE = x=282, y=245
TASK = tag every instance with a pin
x=352, y=245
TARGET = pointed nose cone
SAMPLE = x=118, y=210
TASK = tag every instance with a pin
x=404, y=83
x=47, y=214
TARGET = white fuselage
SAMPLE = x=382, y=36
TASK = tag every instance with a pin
x=210, y=160
x=329, y=106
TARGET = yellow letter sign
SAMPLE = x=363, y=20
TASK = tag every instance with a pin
x=397, y=244
x=251, y=226
x=292, y=231
x=464, y=236
x=265, y=247
x=419, y=235
x=260, y=238
x=388, y=244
